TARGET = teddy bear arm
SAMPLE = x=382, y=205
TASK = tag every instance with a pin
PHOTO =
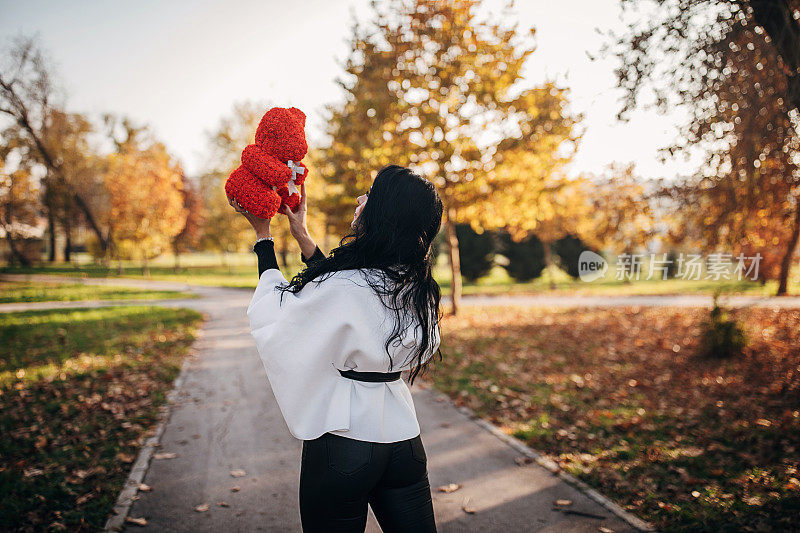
x=279, y=174
x=301, y=178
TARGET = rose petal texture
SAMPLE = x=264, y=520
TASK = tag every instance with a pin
x=253, y=195
x=260, y=183
x=266, y=167
x=281, y=133
x=301, y=178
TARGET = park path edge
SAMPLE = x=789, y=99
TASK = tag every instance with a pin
x=549, y=465
x=126, y=497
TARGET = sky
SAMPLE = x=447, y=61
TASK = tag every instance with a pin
x=179, y=66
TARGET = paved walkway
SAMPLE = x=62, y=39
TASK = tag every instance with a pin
x=224, y=417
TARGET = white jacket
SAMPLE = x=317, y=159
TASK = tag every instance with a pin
x=338, y=323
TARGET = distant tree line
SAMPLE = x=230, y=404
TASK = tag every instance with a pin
x=525, y=260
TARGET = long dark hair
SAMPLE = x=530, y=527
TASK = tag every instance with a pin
x=393, y=234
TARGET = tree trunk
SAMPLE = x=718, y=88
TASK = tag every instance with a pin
x=67, y=241
x=145, y=266
x=177, y=255
x=548, y=263
x=56, y=170
x=455, y=262
x=51, y=235
x=15, y=253
x=791, y=246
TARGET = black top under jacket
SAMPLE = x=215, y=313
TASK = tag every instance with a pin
x=265, y=250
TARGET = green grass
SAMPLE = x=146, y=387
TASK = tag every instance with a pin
x=79, y=392
x=240, y=270
x=498, y=282
x=29, y=291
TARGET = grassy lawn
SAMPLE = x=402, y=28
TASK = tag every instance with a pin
x=619, y=398
x=79, y=392
x=28, y=291
x=240, y=270
x=497, y=282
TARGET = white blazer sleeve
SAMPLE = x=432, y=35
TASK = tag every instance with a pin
x=303, y=341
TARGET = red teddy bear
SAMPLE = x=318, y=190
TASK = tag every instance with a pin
x=271, y=171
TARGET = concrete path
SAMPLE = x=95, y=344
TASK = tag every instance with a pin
x=224, y=418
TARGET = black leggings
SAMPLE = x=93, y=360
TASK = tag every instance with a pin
x=340, y=476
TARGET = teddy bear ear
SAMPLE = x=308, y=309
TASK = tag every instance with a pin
x=299, y=115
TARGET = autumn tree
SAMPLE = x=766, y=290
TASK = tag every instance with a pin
x=28, y=99
x=331, y=195
x=146, y=201
x=190, y=234
x=433, y=86
x=18, y=205
x=621, y=216
x=735, y=67
x=67, y=138
x=556, y=205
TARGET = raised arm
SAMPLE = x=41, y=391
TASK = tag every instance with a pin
x=299, y=229
x=265, y=250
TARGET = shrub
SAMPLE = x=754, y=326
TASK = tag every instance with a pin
x=672, y=265
x=567, y=250
x=722, y=335
x=525, y=258
x=476, y=251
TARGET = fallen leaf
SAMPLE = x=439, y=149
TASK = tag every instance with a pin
x=466, y=507
x=126, y=457
x=202, y=508
x=235, y=488
x=523, y=460
x=238, y=473
x=165, y=455
x=144, y=487
x=136, y=521
x=563, y=503
x=223, y=504
x=447, y=489
x=604, y=529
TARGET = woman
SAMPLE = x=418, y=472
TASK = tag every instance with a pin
x=334, y=341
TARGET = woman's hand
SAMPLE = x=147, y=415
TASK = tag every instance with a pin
x=297, y=224
x=297, y=221
x=261, y=225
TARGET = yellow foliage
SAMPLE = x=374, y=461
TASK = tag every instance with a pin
x=146, y=203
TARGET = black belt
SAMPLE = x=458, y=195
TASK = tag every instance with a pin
x=371, y=377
